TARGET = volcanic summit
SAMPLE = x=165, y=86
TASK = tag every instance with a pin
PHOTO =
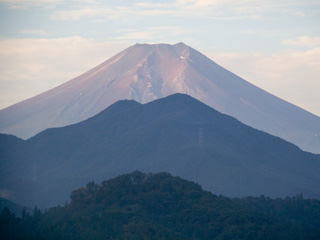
x=145, y=72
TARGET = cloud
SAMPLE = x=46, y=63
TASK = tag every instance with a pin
x=154, y=34
x=38, y=32
x=138, y=35
x=141, y=9
x=243, y=9
x=41, y=3
x=108, y=12
x=77, y=14
x=211, y=9
x=226, y=9
x=291, y=75
x=303, y=41
x=31, y=66
x=94, y=12
x=152, y=5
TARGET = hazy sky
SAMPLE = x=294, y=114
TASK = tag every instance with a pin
x=274, y=44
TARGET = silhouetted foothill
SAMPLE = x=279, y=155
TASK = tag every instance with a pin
x=177, y=134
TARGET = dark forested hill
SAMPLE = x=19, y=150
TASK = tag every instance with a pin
x=13, y=207
x=176, y=134
x=160, y=206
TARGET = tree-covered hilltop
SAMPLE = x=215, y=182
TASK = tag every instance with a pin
x=160, y=206
x=13, y=207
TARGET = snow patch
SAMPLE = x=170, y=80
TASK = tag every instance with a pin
x=135, y=78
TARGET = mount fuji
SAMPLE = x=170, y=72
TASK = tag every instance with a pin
x=145, y=72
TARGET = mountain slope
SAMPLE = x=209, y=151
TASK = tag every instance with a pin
x=176, y=134
x=146, y=72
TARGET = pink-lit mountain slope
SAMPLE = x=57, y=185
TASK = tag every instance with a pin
x=146, y=72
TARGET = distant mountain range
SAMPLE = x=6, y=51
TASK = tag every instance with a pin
x=177, y=134
x=146, y=72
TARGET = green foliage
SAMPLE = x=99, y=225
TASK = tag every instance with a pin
x=159, y=206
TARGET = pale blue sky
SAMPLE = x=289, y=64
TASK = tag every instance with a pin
x=272, y=44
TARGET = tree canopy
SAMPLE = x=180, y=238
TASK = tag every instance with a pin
x=160, y=206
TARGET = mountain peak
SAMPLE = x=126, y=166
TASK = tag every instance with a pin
x=145, y=72
x=161, y=49
x=160, y=44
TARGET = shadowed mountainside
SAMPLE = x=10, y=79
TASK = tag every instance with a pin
x=177, y=134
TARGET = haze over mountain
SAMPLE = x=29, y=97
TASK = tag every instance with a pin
x=177, y=134
x=146, y=72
